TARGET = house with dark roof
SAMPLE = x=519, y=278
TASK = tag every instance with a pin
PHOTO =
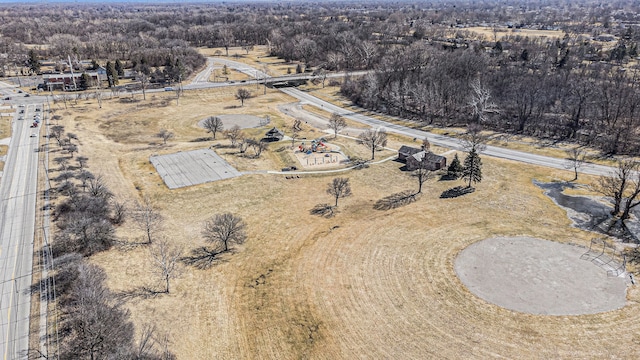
x=413, y=156
x=405, y=151
x=433, y=161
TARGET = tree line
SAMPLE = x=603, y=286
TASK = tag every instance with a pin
x=547, y=91
x=330, y=35
x=93, y=322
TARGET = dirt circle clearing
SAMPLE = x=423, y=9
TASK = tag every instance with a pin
x=538, y=277
x=243, y=121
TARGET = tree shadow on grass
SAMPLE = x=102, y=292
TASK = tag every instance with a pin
x=448, y=177
x=324, y=210
x=201, y=139
x=203, y=258
x=140, y=292
x=126, y=245
x=396, y=200
x=456, y=191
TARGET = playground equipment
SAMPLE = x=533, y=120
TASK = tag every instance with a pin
x=317, y=145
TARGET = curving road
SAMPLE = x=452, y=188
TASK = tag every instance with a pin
x=439, y=140
x=17, y=224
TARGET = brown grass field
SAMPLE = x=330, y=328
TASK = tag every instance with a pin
x=258, y=57
x=363, y=284
x=487, y=33
x=5, y=132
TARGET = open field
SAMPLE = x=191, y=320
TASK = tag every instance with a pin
x=258, y=57
x=5, y=132
x=363, y=284
x=488, y=33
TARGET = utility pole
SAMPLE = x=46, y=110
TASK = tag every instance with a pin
x=73, y=78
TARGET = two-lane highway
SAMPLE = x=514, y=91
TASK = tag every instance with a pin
x=18, y=191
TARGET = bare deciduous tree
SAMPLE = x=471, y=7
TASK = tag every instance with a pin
x=213, y=124
x=225, y=229
x=242, y=95
x=243, y=144
x=339, y=188
x=257, y=146
x=474, y=139
x=233, y=134
x=426, y=145
x=56, y=132
x=97, y=188
x=165, y=261
x=422, y=173
x=148, y=218
x=480, y=103
x=165, y=135
x=617, y=183
x=576, y=158
x=97, y=326
x=226, y=35
x=119, y=211
x=337, y=123
x=144, y=82
x=374, y=139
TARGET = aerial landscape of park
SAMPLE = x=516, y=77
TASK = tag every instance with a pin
x=320, y=179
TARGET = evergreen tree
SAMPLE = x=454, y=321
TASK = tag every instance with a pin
x=112, y=74
x=498, y=47
x=85, y=81
x=34, y=64
x=455, y=169
x=472, y=168
x=119, y=68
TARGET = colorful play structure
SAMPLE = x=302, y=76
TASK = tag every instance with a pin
x=318, y=152
x=317, y=145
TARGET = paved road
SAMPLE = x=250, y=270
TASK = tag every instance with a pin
x=200, y=81
x=441, y=140
x=17, y=224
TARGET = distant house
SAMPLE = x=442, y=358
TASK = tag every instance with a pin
x=273, y=135
x=434, y=162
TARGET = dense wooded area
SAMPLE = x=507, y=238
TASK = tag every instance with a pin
x=429, y=65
